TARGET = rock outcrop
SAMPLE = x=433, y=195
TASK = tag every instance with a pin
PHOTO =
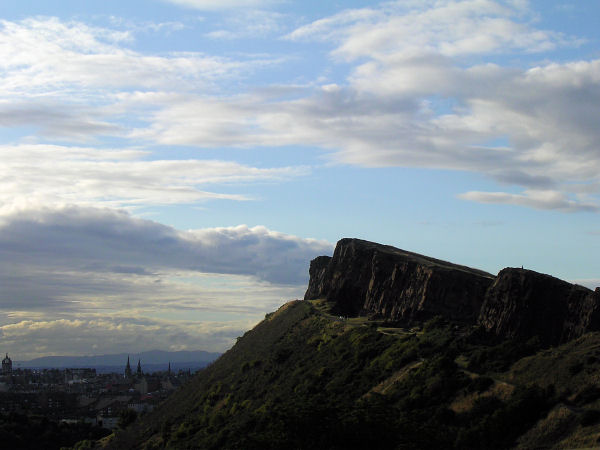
x=365, y=278
x=522, y=303
x=318, y=274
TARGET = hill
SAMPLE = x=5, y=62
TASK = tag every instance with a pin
x=396, y=372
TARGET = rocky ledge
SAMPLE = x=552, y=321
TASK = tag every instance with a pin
x=380, y=281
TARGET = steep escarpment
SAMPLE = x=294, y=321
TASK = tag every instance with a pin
x=318, y=276
x=364, y=278
x=368, y=279
x=522, y=303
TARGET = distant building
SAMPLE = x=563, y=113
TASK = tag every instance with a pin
x=139, y=369
x=6, y=365
x=78, y=375
x=128, y=373
x=142, y=386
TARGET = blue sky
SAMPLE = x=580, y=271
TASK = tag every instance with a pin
x=170, y=167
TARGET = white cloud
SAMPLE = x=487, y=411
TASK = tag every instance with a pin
x=329, y=28
x=68, y=80
x=426, y=91
x=450, y=28
x=53, y=174
x=45, y=55
x=55, y=119
x=429, y=91
x=249, y=24
x=548, y=200
x=99, y=240
x=547, y=124
x=106, y=334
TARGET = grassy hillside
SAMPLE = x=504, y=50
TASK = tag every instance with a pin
x=305, y=379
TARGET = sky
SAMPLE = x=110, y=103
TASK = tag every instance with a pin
x=168, y=168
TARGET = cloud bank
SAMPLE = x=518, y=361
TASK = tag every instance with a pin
x=106, y=240
x=64, y=270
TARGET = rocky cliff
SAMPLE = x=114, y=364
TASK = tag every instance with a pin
x=365, y=278
x=522, y=303
x=318, y=277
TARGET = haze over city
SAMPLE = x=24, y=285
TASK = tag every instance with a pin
x=169, y=168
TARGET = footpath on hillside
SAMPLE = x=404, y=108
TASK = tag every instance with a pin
x=324, y=309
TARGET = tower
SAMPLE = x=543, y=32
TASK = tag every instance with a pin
x=128, y=369
x=139, y=369
x=6, y=365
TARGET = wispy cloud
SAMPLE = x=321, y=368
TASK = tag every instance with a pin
x=412, y=61
x=46, y=55
x=449, y=28
x=53, y=174
x=106, y=334
x=543, y=114
x=249, y=24
x=548, y=200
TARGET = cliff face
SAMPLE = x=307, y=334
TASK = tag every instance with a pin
x=583, y=316
x=364, y=278
x=318, y=276
x=522, y=303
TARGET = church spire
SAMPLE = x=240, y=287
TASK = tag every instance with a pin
x=139, y=369
x=128, y=369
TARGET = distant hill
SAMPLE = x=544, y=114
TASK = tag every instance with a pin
x=396, y=350
x=152, y=360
